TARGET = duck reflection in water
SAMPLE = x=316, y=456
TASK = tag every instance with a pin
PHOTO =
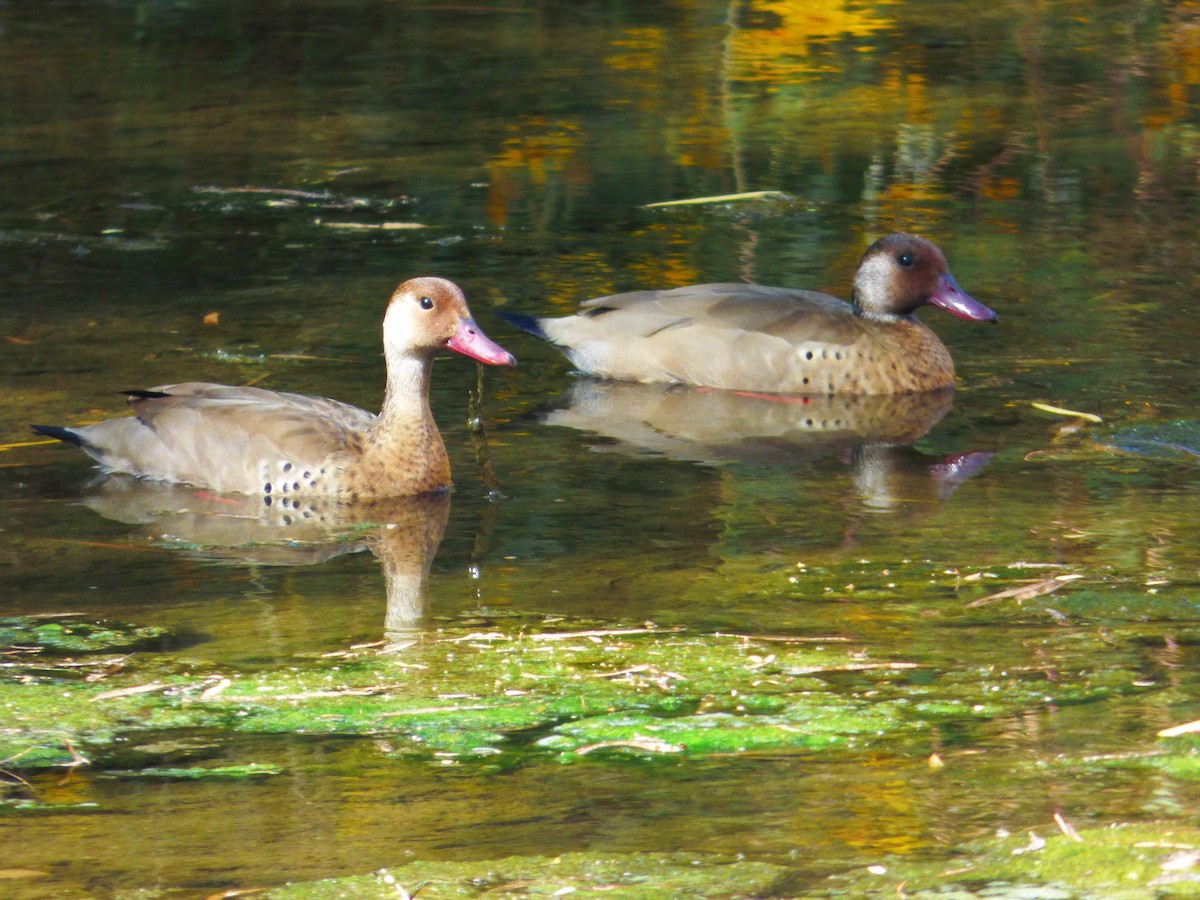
x=402, y=532
x=714, y=427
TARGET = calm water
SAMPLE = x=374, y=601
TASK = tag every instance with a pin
x=163, y=161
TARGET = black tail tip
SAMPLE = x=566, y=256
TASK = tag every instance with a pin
x=62, y=434
x=524, y=322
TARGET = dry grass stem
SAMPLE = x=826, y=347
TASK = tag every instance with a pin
x=650, y=745
x=1026, y=592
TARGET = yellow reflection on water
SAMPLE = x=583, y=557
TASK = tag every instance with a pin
x=777, y=46
x=541, y=157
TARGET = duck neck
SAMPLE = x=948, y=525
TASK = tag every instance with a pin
x=874, y=315
x=403, y=444
x=406, y=395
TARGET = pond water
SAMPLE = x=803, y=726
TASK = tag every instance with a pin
x=228, y=192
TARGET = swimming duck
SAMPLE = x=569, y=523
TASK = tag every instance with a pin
x=748, y=337
x=287, y=446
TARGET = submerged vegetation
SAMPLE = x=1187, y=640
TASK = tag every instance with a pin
x=534, y=685
x=510, y=692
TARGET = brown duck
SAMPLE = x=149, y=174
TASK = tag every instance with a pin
x=287, y=446
x=749, y=337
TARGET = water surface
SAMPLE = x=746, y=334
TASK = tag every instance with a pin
x=163, y=162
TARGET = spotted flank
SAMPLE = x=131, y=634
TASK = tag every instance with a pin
x=285, y=478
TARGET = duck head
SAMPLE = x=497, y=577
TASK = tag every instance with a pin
x=427, y=315
x=901, y=272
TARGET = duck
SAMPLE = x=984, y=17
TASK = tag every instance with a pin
x=289, y=447
x=776, y=340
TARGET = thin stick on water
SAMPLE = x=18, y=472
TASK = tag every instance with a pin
x=719, y=198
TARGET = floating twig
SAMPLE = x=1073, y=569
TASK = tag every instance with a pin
x=1026, y=592
x=433, y=710
x=477, y=636
x=853, y=667
x=215, y=690
x=784, y=638
x=369, y=226
x=283, y=192
x=77, y=758
x=600, y=632
x=1176, y=730
x=649, y=745
x=644, y=669
x=1063, y=411
x=131, y=691
x=16, y=445
x=1067, y=828
x=719, y=198
x=320, y=695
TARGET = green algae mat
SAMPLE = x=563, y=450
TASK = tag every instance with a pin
x=559, y=689
x=642, y=876
x=490, y=695
x=1119, y=862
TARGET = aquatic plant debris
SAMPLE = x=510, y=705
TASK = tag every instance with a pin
x=1133, y=862
x=637, y=876
x=1171, y=440
x=569, y=692
x=72, y=633
x=199, y=773
x=1159, y=439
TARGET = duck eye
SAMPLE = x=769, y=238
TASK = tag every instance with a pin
x=426, y=303
x=906, y=260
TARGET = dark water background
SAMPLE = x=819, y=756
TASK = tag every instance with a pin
x=1051, y=149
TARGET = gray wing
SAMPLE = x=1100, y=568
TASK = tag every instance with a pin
x=741, y=336
x=221, y=437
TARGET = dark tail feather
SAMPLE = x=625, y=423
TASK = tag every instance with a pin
x=62, y=434
x=524, y=322
x=144, y=395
